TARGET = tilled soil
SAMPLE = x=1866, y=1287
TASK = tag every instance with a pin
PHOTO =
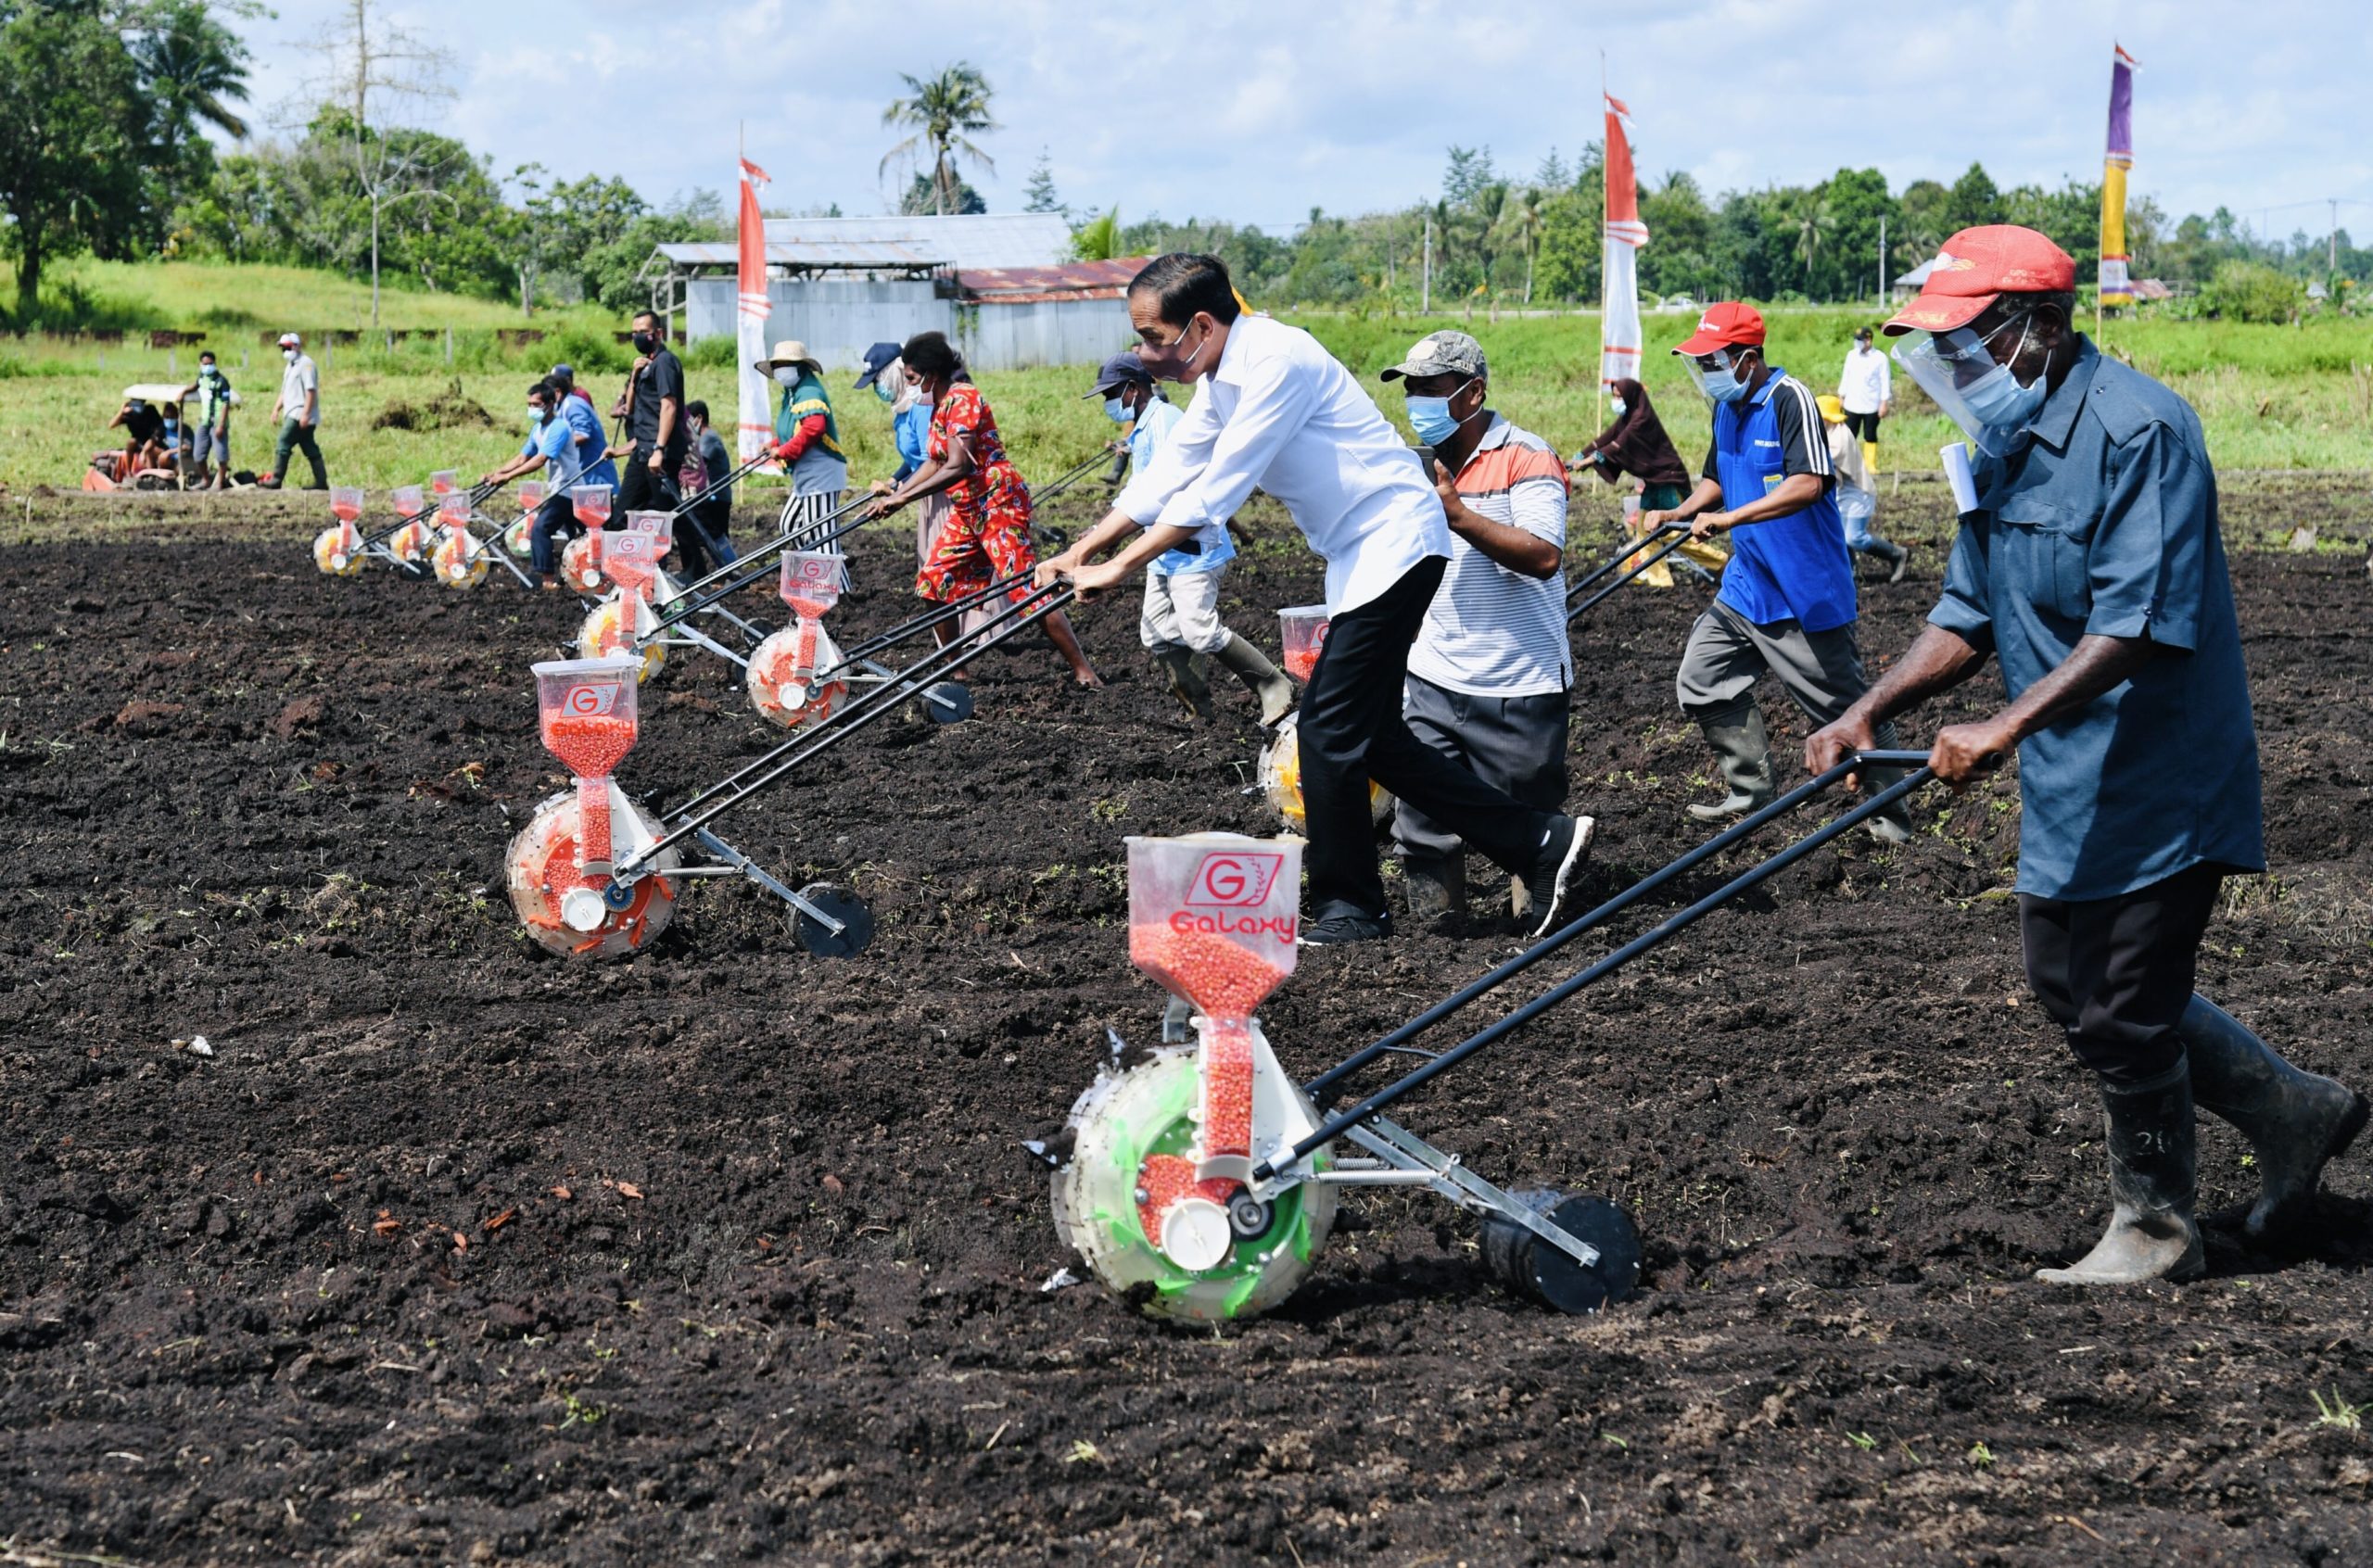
x=453, y=1252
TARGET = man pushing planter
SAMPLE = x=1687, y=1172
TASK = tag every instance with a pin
x=2092, y=569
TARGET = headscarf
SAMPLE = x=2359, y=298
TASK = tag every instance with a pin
x=1637, y=444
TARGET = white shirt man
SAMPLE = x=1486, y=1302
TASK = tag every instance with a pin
x=1274, y=411
x=1864, y=385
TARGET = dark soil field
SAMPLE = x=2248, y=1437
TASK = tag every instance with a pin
x=452, y=1252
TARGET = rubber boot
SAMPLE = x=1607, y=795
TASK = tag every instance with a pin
x=1435, y=886
x=1186, y=681
x=1267, y=682
x=2153, y=1168
x=1871, y=460
x=2295, y=1121
x=1894, y=555
x=1745, y=752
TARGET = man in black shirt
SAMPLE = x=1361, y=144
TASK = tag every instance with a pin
x=656, y=435
x=143, y=430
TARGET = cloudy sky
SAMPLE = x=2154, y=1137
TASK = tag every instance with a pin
x=1256, y=112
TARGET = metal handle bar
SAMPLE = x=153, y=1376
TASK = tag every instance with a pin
x=741, y=563
x=1476, y=991
x=1338, y=1124
x=477, y=493
x=1632, y=543
x=924, y=622
x=1578, y=611
x=883, y=699
x=1054, y=487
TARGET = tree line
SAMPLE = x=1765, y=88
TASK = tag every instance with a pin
x=105, y=107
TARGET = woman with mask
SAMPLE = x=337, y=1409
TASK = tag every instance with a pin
x=910, y=431
x=706, y=462
x=986, y=539
x=807, y=442
x=1181, y=620
x=1636, y=444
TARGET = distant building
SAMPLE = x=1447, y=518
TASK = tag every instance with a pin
x=1001, y=285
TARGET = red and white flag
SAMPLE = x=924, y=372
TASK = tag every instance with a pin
x=1618, y=340
x=756, y=417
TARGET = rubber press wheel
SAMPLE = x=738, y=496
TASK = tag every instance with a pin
x=856, y=923
x=946, y=701
x=1533, y=1267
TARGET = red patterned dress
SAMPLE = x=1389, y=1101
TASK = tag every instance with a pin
x=987, y=534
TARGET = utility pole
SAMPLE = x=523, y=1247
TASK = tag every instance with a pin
x=1883, y=261
x=2331, y=241
x=1425, y=292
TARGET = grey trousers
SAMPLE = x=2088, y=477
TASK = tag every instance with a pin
x=1726, y=654
x=1513, y=743
x=1182, y=610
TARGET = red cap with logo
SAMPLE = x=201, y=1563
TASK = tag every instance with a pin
x=1978, y=266
x=1727, y=325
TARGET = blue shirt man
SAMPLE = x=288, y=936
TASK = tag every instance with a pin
x=586, y=432
x=2092, y=568
x=1786, y=607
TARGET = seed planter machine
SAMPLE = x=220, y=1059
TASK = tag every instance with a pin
x=1201, y=1183
x=594, y=874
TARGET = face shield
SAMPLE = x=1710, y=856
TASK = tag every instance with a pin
x=1977, y=391
x=1719, y=381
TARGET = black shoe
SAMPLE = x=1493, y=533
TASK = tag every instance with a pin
x=1337, y=928
x=1554, y=863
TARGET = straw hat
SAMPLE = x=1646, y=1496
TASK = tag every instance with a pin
x=790, y=351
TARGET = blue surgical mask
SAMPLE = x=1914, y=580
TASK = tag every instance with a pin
x=884, y=393
x=1431, y=419
x=1998, y=401
x=1722, y=385
x=1117, y=410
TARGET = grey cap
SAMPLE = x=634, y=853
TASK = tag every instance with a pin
x=1441, y=353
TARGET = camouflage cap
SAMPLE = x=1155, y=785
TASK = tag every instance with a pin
x=1441, y=353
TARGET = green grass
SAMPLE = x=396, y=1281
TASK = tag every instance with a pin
x=2269, y=397
x=222, y=297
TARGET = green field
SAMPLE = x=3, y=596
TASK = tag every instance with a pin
x=2271, y=398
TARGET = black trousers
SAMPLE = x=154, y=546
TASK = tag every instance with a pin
x=639, y=489
x=2116, y=973
x=555, y=521
x=1864, y=425
x=705, y=524
x=1351, y=730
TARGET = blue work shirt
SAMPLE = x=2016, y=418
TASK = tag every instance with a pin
x=582, y=421
x=553, y=441
x=1215, y=549
x=2101, y=520
x=1794, y=567
x=910, y=428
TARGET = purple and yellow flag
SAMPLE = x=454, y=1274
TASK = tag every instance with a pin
x=2118, y=289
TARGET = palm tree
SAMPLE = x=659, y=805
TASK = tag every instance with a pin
x=195, y=66
x=1811, y=220
x=1099, y=238
x=1523, y=220
x=942, y=112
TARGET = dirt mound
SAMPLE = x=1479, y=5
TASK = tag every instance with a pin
x=452, y=1252
x=449, y=410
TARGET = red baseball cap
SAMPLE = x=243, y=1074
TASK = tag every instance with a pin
x=1727, y=325
x=1978, y=266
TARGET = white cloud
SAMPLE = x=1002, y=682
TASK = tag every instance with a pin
x=1259, y=111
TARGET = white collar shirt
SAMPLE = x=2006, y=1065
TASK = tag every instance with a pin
x=1863, y=385
x=1279, y=413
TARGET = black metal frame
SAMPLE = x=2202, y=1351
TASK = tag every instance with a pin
x=1320, y=1088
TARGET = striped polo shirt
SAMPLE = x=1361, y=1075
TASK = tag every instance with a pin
x=1492, y=632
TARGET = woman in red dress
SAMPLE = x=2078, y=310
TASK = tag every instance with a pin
x=986, y=537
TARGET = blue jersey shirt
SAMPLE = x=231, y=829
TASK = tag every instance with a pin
x=2101, y=519
x=552, y=440
x=594, y=469
x=1794, y=567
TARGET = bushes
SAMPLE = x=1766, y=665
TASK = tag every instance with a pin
x=2249, y=291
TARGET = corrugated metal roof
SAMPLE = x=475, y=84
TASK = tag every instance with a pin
x=1073, y=280
x=995, y=240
